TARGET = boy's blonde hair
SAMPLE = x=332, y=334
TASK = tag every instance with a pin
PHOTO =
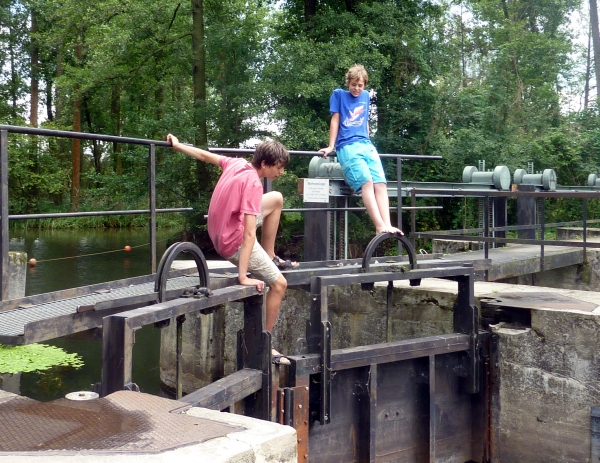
x=357, y=72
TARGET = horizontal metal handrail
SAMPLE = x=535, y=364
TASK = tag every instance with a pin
x=510, y=194
x=81, y=135
x=58, y=215
x=465, y=231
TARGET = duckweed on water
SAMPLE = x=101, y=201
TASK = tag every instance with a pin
x=35, y=357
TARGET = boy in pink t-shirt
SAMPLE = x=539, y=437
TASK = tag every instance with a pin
x=237, y=207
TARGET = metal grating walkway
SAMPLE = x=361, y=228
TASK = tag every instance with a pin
x=13, y=323
x=123, y=422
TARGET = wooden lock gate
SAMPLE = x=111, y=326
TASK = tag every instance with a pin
x=416, y=400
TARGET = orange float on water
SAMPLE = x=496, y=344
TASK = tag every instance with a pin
x=127, y=248
x=32, y=262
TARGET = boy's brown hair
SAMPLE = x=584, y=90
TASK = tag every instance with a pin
x=273, y=153
x=357, y=72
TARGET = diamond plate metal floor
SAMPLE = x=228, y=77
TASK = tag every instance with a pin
x=12, y=322
x=123, y=422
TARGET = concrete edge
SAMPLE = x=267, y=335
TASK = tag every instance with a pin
x=260, y=442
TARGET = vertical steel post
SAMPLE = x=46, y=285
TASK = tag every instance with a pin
x=346, y=228
x=399, y=195
x=486, y=226
x=388, y=305
x=318, y=334
x=413, y=217
x=585, y=214
x=542, y=230
x=178, y=360
x=152, y=200
x=4, y=271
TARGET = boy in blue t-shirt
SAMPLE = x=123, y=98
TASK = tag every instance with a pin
x=349, y=134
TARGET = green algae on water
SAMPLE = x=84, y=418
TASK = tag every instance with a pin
x=35, y=357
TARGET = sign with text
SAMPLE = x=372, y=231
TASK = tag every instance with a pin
x=316, y=190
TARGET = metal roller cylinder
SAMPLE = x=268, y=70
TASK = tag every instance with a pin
x=593, y=180
x=547, y=179
x=324, y=168
x=499, y=177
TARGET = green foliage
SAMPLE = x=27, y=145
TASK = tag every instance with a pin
x=35, y=357
x=483, y=80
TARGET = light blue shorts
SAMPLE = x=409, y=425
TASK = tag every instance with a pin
x=360, y=163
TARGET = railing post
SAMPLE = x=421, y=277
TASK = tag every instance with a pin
x=399, y=194
x=413, y=217
x=4, y=271
x=486, y=226
x=542, y=230
x=152, y=200
x=585, y=213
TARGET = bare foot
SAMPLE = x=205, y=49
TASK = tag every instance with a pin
x=388, y=229
x=279, y=358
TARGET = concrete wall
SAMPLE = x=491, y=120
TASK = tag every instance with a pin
x=584, y=277
x=547, y=384
x=454, y=246
x=254, y=441
x=17, y=273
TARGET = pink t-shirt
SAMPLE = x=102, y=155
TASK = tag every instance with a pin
x=238, y=192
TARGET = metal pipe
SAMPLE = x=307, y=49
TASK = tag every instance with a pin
x=81, y=135
x=543, y=224
x=152, y=201
x=4, y=271
x=585, y=213
x=356, y=209
x=94, y=213
x=346, y=230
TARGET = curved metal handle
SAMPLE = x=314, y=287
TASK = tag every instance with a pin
x=403, y=240
x=160, y=283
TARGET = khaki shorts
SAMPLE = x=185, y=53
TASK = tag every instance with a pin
x=261, y=266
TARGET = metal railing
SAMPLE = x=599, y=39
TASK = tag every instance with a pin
x=152, y=210
x=537, y=225
x=4, y=212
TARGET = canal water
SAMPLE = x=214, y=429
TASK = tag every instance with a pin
x=71, y=258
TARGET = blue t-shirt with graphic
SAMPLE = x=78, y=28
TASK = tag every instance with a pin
x=354, y=115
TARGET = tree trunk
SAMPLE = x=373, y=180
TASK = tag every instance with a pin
x=34, y=99
x=49, y=85
x=199, y=71
x=13, y=74
x=33, y=109
x=595, y=41
x=310, y=9
x=76, y=147
x=60, y=71
x=588, y=70
x=115, y=110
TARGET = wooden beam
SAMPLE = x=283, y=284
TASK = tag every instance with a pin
x=220, y=394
